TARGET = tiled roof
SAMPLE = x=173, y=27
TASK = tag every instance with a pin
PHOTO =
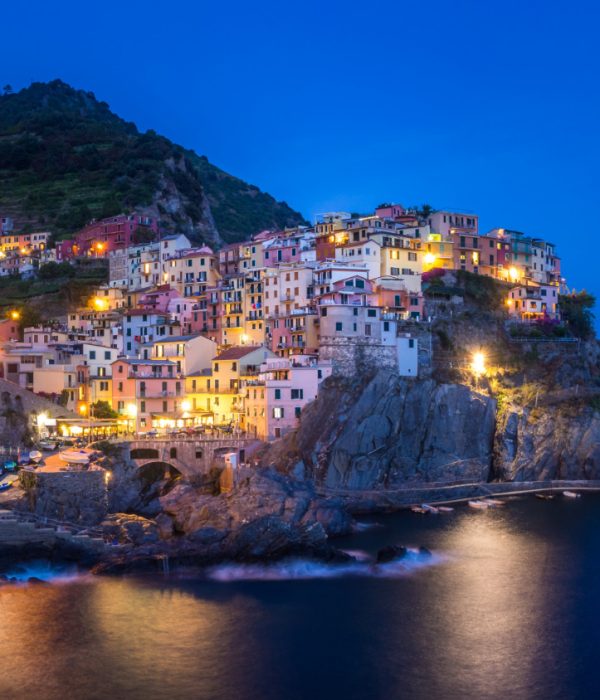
x=237, y=352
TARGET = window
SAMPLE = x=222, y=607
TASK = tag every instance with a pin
x=297, y=393
x=277, y=394
x=412, y=256
x=107, y=354
x=360, y=284
x=372, y=313
x=278, y=412
x=411, y=343
x=367, y=329
x=234, y=366
x=386, y=326
x=199, y=454
x=92, y=354
x=297, y=411
x=338, y=326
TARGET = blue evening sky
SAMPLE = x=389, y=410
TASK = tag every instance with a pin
x=491, y=107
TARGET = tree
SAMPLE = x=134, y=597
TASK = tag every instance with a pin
x=102, y=409
x=7, y=89
x=576, y=312
x=143, y=235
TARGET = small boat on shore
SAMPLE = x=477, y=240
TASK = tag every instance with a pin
x=571, y=494
x=418, y=509
x=445, y=509
x=35, y=456
x=429, y=509
x=5, y=486
x=493, y=502
x=74, y=457
x=545, y=496
x=478, y=505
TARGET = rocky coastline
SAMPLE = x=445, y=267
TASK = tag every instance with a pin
x=368, y=444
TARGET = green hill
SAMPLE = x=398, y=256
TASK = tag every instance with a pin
x=66, y=158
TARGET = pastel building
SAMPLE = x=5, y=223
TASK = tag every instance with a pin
x=531, y=301
x=147, y=393
x=275, y=399
x=216, y=395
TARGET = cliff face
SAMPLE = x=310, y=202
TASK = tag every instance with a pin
x=548, y=444
x=392, y=432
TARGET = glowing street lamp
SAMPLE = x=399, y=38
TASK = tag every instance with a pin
x=514, y=274
x=83, y=409
x=99, y=304
x=429, y=258
x=15, y=315
x=478, y=366
x=186, y=406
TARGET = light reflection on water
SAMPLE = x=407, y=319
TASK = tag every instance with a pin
x=511, y=611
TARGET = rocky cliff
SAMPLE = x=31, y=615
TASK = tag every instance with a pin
x=386, y=432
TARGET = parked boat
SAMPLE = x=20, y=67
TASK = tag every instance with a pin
x=35, y=456
x=571, y=494
x=418, y=509
x=545, y=496
x=429, y=509
x=493, y=502
x=445, y=509
x=479, y=505
x=74, y=457
x=5, y=486
x=10, y=465
x=47, y=445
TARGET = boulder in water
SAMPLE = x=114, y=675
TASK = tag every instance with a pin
x=391, y=553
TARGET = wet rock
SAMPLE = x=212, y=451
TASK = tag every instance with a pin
x=391, y=552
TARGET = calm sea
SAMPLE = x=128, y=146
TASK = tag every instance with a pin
x=508, y=607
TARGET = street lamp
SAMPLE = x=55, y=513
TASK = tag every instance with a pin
x=478, y=366
x=131, y=409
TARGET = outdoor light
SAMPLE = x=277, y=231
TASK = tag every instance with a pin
x=478, y=364
x=186, y=406
x=429, y=258
x=41, y=420
x=244, y=339
x=99, y=304
x=514, y=273
x=83, y=409
x=131, y=410
x=15, y=315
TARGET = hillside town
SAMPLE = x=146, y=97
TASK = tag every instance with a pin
x=186, y=338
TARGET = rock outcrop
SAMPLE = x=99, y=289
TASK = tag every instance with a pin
x=392, y=431
x=549, y=443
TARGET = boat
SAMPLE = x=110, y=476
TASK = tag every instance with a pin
x=493, y=502
x=418, y=509
x=74, y=457
x=479, y=505
x=429, y=509
x=35, y=456
x=445, y=509
x=5, y=486
x=10, y=465
x=47, y=445
x=571, y=494
x=545, y=496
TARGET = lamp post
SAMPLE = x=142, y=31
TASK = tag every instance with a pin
x=478, y=366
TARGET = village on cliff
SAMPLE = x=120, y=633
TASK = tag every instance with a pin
x=185, y=339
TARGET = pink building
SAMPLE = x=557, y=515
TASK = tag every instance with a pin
x=9, y=330
x=101, y=237
x=146, y=392
x=390, y=211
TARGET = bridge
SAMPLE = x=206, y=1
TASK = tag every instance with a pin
x=191, y=457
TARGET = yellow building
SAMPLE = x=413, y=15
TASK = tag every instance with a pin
x=216, y=395
x=438, y=252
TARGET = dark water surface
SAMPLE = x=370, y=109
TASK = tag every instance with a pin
x=508, y=608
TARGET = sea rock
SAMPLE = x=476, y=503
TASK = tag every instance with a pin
x=391, y=552
x=131, y=529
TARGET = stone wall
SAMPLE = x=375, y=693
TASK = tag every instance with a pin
x=73, y=497
x=357, y=355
